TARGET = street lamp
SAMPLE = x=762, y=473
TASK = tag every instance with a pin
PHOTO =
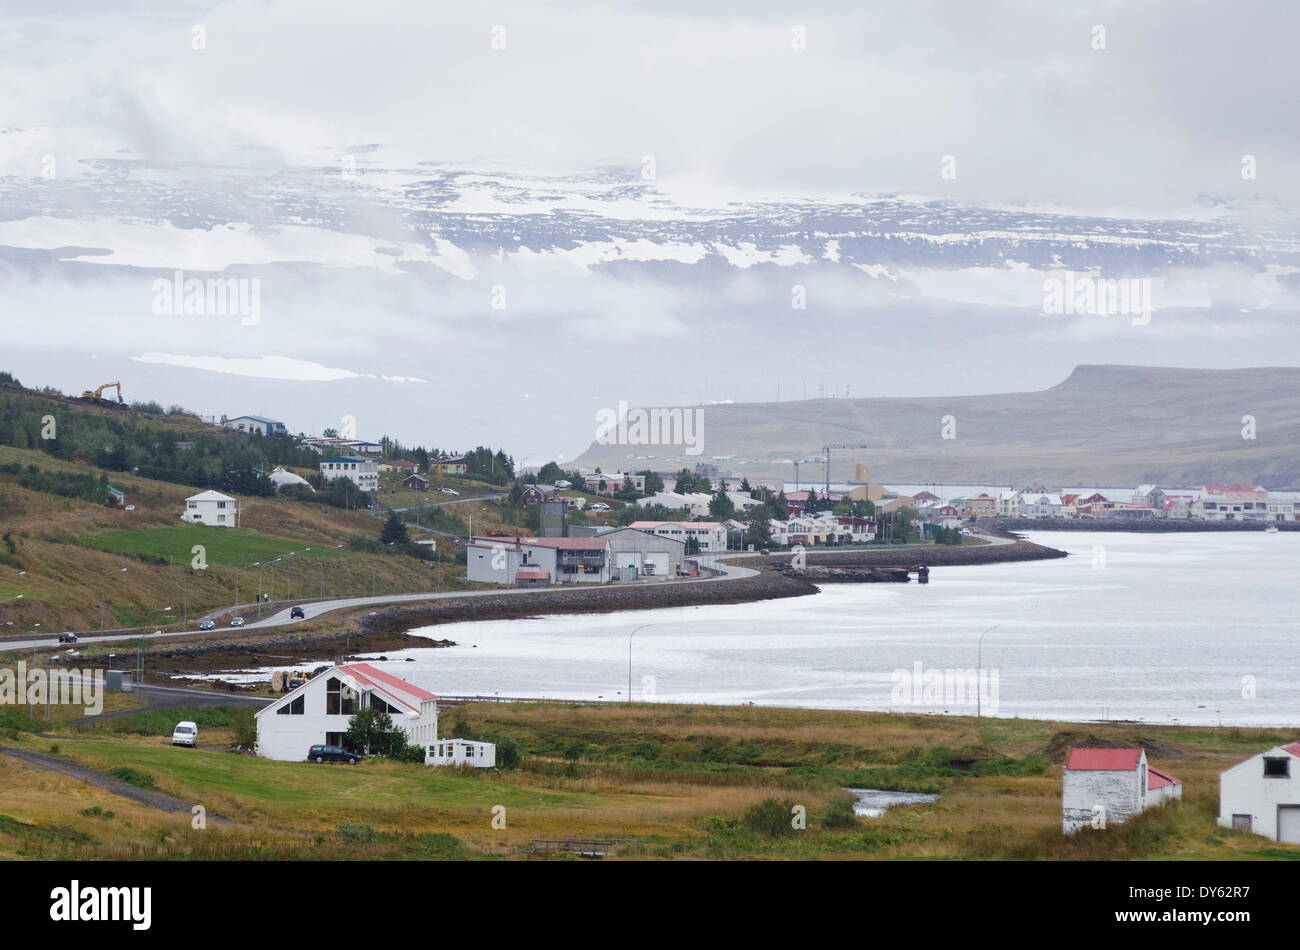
x=979, y=669
x=629, y=657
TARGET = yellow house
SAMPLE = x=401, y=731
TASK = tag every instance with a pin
x=452, y=466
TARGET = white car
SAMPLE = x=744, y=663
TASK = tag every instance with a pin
x=563, y=484
x=185, y=733
x=449, y=491
x=237, y=622
x=599, y=506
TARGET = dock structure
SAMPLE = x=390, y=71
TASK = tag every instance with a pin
x=861, y=574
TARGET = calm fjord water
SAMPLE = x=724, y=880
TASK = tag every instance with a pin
x=1190, y=628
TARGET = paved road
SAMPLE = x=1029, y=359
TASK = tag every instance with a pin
x=315, y=609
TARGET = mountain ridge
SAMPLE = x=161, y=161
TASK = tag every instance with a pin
x=1103, y=424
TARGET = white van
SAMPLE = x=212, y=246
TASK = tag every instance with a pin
x=185, y=733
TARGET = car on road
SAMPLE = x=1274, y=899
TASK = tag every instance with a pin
x=563, y=484
x=599, y=506
x=765, y=551
x=237, y=622
x=67, y=638
x=185, y=733
x=208, y=625
x=449, y=491
x=332, y=753
x=297, y=613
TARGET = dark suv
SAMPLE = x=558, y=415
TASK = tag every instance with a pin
x=332, y=753
x=297, y=613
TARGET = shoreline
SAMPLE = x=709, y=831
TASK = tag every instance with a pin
x=387, y=628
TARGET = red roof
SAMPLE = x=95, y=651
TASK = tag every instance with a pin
x=1157, y=779
x=1293, y=748
x=1109, y=760
x=1235, y=490
x=388, y=684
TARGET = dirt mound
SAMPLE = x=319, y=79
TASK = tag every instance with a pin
x=1060, y=744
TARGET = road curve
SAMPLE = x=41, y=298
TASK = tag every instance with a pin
x=317, y=608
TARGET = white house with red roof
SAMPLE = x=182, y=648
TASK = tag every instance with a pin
x=1100, y=787
x=318, y=713
x=1262, y=794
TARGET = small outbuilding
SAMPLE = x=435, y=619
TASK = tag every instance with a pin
x=415, y=483
x=1100, y=787
x=1262, y=794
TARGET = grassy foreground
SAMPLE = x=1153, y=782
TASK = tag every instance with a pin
x=685, y=782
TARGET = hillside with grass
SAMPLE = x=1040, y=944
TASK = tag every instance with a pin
x=70, y=560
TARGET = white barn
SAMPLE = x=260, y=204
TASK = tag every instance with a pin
x=1101, y=787
x=318, y=712
x=211, y=508
x=1262, y=794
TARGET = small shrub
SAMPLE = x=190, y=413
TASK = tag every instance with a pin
x=840, y=815
x=647, y=750
x=124, y=773
x=770, y=817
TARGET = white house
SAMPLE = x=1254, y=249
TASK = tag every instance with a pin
x=1009, y=504
x=258, y=424
x=481, y=755
x=1101, y=787
x=363, y=472
x=211, y=508
x=1262, y=794
x=1041, y=505
x=318, y=712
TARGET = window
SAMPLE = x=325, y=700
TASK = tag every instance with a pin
x=295, y=708
x=469, y=751
x=340, y=700
x=1241, y=822
x=1277, y=767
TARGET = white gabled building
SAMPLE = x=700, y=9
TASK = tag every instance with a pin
x=1009, y=504
x=318, y=713
x=1102, y=787
x=211, y=508
x=1262, y=794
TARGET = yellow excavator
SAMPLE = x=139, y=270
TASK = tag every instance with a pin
x=97, y=395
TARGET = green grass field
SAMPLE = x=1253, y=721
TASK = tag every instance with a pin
x=237, y=547
x=696, y=782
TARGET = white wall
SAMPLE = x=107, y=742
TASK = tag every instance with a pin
x=1083, y=790
x=1243, y=790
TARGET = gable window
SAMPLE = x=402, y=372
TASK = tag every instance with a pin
x=1276, y=767
x=295, y=708
x=340, y=700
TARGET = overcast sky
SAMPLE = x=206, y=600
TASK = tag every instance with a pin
x=734, y=101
